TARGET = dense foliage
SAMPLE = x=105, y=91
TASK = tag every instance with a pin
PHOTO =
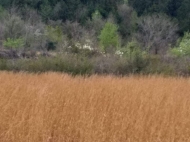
x=81, y=10
x=115, y=36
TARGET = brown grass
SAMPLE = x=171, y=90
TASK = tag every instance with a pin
x=55, y=107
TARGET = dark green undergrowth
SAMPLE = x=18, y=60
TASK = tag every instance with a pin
x=79, y=65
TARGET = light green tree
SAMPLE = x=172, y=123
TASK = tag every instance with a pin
x=13, y=43
x=109, y=38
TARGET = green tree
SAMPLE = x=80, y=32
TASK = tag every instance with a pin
x=46, y=11
x=184, y=46
x=109, y=38
x=149, y=6
x=183, y=15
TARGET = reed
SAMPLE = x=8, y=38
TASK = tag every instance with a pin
x=55, y=107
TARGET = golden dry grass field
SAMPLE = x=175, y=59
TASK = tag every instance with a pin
x=55, y=107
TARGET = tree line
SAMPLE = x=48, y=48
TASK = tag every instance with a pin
x=134, y=30
x=81, y=10
x=132, y=17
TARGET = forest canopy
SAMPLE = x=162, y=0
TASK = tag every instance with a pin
x=81, y=10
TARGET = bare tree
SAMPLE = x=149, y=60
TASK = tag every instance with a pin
x=156, y=33
x=34, y=31
x=29, y=27
x=79, y=34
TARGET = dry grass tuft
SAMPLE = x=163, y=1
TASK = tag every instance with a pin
x=54, y=107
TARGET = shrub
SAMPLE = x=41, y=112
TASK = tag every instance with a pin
x=157, y=65
x=3, y=64
x=184, y=47
x=135, y=56
x=104, y=65
x=13, y=43
x=131, y=50
x=54, y=36
x=66, y=63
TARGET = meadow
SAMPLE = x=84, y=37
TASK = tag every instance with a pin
x=55, y=107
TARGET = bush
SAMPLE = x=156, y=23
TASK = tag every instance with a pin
x=77, y=64
x=54, y=35
x=184, y=47
x=13, y=43
x=132, y=50
x=104, y=65
x=66, y=63
x=3, y=64
x=135, y=56
x=157, y=65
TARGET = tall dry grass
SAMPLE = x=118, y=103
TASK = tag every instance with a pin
x=55, y=107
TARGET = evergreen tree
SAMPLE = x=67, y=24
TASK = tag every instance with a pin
x=183, y=15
